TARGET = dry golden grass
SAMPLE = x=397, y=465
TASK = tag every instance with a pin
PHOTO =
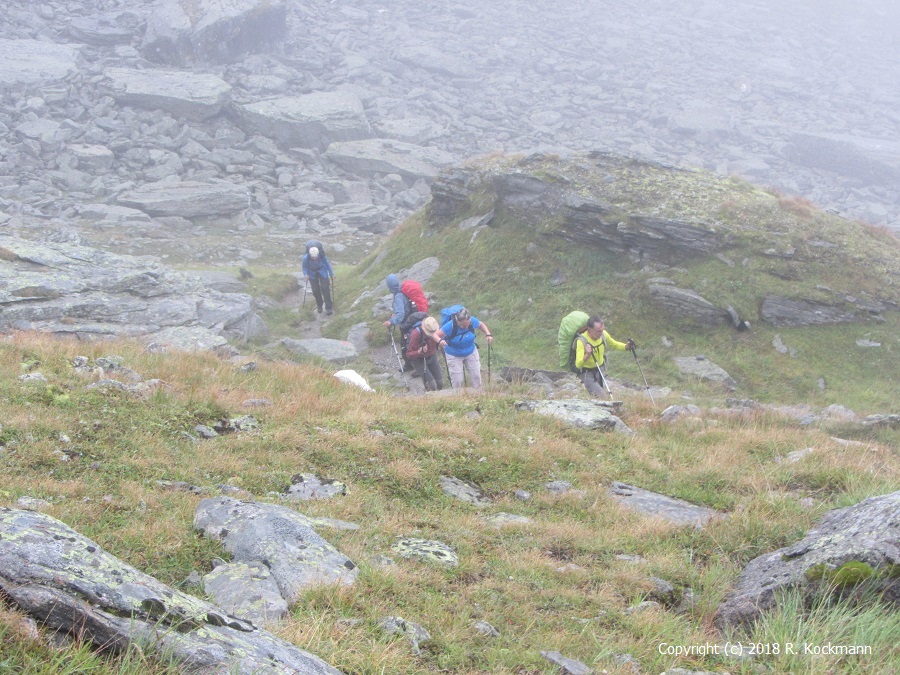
x=554, y=583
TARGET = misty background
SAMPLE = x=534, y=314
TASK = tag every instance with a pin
x=802, y=96
x=798, y=96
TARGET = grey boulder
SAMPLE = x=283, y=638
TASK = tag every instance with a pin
x=309, y=121
x=194, y=96
x=384, y=156
x=579, y=413
x=856, y=544
x=72, y=585
x=36, y=62
x=283, y=540
x=188, y=199
x=675, y=511
x=184, y=32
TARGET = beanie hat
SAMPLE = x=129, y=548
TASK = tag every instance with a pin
x=430, y=325
x=314, y=252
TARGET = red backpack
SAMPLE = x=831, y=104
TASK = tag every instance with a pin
x=413, y=290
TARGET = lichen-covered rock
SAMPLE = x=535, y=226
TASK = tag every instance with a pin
x=284, y=540
x=305, y=486
x=72, y=585
x=580, y=413
x=464, y=490
x=413, y=632
x=850, y=545
x=426, y=550
x=675, y=511
x=246, y=591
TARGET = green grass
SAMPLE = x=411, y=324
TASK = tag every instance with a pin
x=553, y=584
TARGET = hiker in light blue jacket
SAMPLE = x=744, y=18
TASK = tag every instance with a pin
x=457, y=337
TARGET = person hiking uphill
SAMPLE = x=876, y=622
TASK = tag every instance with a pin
x=457, y=336
x=422, y=352
x=590, y=354
x=401, y=309
x=317, y=270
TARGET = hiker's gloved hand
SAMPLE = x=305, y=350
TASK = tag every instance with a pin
x=630, y=346
x=387, y=323
x=490, y=338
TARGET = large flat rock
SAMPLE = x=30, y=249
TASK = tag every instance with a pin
x=188, y=199
x=35, y=62
x=194, y=96
x=309, y=121
x=383, y=156
x=183, y=32
x=581, y=413
x=670, y=509
x=77, y=290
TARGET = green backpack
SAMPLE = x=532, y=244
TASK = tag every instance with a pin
x=571, y=325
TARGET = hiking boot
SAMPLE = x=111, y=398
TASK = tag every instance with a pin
x=329, y=312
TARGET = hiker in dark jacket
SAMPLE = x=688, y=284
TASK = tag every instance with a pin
x=457, y=336
x=317, y=270
x=422, y=352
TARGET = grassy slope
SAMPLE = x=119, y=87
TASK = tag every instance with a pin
x=555, y=584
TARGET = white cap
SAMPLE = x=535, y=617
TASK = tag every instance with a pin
x=314, y=252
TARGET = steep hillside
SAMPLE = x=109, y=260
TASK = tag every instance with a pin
x=795, y=303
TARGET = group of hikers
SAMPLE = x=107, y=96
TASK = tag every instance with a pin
x=582, y=338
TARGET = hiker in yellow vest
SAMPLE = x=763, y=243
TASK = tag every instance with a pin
x=590, y=354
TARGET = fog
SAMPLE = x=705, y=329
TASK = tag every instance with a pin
x=797, y=96
x=725, y=86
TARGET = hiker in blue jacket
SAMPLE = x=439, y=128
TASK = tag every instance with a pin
x=401, y=309
x=317, y=270
x=401, y=304
x=457, y=337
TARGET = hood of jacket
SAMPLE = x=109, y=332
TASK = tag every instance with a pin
x=393, y=283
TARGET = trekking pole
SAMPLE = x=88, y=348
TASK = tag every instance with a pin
x=603, y=380
x=489, y=364
x=447, y=365
x=394, y=345
x=646, y=384
x=332, y=290
x=305, y=289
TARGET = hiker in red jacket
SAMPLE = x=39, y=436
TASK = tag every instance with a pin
x=422, y=353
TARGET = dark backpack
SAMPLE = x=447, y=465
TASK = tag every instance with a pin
x=315, y=264
x=412, y=320
x=449, y=314
x=317, y=244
